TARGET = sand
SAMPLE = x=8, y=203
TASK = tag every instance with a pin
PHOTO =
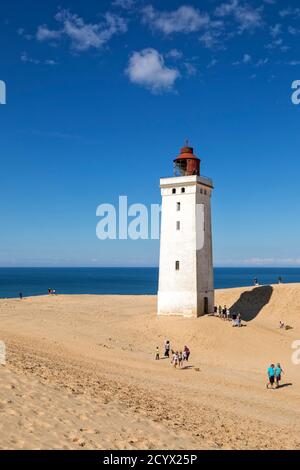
x=81, y=374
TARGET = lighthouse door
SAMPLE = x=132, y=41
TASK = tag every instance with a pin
x=206, y=305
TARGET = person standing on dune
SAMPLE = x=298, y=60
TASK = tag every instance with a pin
x=157, y=354
x=271, y=376
x=167, y=348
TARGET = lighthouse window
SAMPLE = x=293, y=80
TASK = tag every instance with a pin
x=174, y=191
x=183, y=190
x=205, y=192
x=201, y=190
x=177, y=225
x=178, y=206
x=177, y=265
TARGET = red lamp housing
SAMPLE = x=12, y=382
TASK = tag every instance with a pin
x=187, y=164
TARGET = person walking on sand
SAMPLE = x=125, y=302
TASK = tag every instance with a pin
x=224, y=312
x=167, y=348
x=278, y=373
x=21, y=295
x=157, y=354
x=180, y=359
x=175, y=359
x=186, y=353
x=228, y=314
x=220, y=311
x=271, y=376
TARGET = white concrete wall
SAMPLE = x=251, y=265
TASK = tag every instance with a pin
x=182, y=292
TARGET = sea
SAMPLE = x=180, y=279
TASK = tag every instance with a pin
x=134, y=281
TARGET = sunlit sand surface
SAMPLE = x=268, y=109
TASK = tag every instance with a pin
x=81, y=374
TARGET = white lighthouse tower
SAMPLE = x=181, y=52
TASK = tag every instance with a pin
x=185, y=266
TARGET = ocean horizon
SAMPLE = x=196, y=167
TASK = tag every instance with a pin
x=122, y=281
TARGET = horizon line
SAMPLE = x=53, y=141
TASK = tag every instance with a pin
x=149, y=267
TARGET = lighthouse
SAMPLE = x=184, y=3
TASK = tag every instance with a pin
x=186, y=285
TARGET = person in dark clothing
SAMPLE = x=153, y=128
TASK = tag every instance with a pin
x=186, y=353
x=167, y=349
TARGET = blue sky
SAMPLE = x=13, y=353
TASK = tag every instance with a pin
x=100, y=97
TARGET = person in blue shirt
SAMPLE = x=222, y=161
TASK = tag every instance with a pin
x=278, y=372
x=271, y=376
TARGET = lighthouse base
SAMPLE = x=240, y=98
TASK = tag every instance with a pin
x=185, y=303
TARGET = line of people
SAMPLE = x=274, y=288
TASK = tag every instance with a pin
x=225, y=314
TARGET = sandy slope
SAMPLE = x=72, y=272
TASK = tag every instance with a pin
x=81, y=374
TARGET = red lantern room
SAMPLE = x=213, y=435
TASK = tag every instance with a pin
x=187, y=164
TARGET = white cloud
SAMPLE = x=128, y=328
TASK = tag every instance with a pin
x=277, y=44
x=295, y=12
x=126, y=4
x=262, y=62
x=45, y=34
x=275, y=30
x=147, y=68
x=191, y=69
x=174, y=54
x=185, y=19
x=83, y=35
x=271, y=262
x=263, y=262
x=21, y=32
x=246, y=59
x=247, y=17
x=293, y=31
x=25, y=58
x=212, y=39
x=212, y=63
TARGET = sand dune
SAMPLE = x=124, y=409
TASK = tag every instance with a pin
x=81, y=374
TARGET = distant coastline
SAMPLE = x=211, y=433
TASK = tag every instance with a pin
x=123, y=281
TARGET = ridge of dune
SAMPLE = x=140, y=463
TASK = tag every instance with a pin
x=91, y=358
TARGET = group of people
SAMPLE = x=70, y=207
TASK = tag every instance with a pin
x=256, y=282
x=225, y=314
x=50, y=292
x=177, y=357
x=283, y=326
x=274, y=375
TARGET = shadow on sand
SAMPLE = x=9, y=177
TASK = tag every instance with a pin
x=252, y=302
x=187, y=367
x=284, y=385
